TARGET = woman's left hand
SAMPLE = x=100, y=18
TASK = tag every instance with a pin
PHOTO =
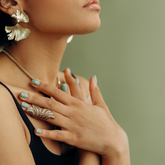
x=89, y=127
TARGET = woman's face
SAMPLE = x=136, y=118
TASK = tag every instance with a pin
x=62, y=16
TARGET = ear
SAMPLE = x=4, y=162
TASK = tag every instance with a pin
x=10, y=6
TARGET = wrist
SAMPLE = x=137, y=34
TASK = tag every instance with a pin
x=122, y=158
x=118, y=150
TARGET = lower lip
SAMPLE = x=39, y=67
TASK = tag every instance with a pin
x=93, y=6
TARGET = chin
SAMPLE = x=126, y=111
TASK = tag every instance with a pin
x=94, y=27
x=91, y=25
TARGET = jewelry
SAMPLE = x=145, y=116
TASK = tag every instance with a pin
x=58, y=82
x=34, y=111
x=69, y=39
x=17, y=31
x=39, y=113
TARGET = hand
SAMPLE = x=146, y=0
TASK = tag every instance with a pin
x=89, y=127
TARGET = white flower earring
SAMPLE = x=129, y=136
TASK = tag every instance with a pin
x=69, y=39
x=17, y=31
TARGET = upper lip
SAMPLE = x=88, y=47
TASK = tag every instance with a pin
x=92, y=1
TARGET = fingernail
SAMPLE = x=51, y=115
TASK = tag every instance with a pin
x=64, y=87
x=69, y=70
x=35, y=82
x=24, y=105
x=88, y=97
x=95, y=77
x=38, y=131
x=24, y=95
x=77, y=80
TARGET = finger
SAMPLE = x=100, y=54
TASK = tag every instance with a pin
x=65, y=88
x=47, y=115
x=53, y=91
x=73, y=84
x=57, y=135
x=96, y=96
x=45, y=102
x=24, y=105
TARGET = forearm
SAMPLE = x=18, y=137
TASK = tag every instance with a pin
x=88, y=158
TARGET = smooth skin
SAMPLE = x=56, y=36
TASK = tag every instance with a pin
x=80, y=121
x=51, y=23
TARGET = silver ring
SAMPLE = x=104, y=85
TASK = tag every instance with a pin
x=40, y=113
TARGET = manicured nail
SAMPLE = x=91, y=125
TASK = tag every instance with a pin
x=24, y=105
x=69, y=70
x=38, y=131
x=24, y=95
x=95, y=77
x=88, y=97
x=35, y=82
x=64, y=87
x=77, y=80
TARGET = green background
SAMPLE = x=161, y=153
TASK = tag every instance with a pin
x=128, y=54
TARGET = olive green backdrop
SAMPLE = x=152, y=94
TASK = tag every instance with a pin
x=128, y=56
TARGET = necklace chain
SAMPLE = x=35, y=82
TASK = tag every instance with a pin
x=22, y=68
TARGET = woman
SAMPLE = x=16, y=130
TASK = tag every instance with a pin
x=35, y=37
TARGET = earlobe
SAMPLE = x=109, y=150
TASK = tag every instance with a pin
x=8, y=6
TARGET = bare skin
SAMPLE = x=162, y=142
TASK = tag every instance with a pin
x=51, y=23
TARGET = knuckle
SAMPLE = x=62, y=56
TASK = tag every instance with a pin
x=76, y=102
x=81, y=104
x=45, y=133
x=32, y=98
x=97, y=89
x=58, y=136
x=81, y=98
x=50, y=103
x=70, y=139
x=68, y=112
x=57, y=92
x=43, y=85
x=76, y=138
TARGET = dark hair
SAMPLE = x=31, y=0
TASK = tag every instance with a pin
x=5, y=20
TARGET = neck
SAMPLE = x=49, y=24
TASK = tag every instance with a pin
x=40, y=55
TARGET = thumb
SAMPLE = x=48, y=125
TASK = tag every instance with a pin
x=96, y=96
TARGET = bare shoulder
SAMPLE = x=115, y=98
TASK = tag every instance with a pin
x=5, y=98
x=12, y=135
x=7, y=104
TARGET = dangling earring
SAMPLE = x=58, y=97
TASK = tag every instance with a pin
x=17, y=31
x=69, y=39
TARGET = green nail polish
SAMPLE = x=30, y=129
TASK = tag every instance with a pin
x=24, y=105
x=95, y=77
x=64, y=87
x=35, y=82
x=69, y=70
x=38, y=131
x=24, y=95
x=77, y=80
x=88, y=97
